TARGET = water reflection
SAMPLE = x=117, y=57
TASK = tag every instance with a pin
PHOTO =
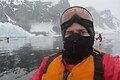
x=21, y=59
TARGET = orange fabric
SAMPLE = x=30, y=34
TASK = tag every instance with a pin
x=82, y=71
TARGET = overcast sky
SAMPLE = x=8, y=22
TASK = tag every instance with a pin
x=113, y=5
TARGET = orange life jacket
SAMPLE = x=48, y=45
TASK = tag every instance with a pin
x=82, y=71
x=44, y=68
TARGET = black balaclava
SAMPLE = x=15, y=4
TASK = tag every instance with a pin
x=77, y=47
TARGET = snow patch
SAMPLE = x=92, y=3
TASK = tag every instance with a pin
x=54, y=2
x=104, y=16
x=10, y=30
x=15, y=9
x=9, y=19
x=105, y=30
x=116, y=22
x=42, y=27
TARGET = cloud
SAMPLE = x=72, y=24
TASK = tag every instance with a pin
x=113, y=5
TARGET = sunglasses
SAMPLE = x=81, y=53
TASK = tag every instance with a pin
x=80, y=11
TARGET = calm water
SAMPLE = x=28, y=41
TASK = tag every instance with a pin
x=21, y=56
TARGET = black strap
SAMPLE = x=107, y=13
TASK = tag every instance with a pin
x=98, y=67
x=65, y=74
x=50, y=59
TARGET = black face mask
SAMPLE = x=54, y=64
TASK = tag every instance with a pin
x=77, y=48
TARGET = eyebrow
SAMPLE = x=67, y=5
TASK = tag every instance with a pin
x=82, y=30
x=69, y=31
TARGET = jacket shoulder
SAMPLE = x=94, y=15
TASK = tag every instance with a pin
x=111, y=66
x=43, y=66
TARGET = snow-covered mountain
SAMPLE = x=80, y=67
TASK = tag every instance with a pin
x=25, y=13
x=104, y=21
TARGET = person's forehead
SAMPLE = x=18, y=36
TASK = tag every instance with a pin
x=79, y=11
x=76, y=26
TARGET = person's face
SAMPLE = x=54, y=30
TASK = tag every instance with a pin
x=76, y=28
